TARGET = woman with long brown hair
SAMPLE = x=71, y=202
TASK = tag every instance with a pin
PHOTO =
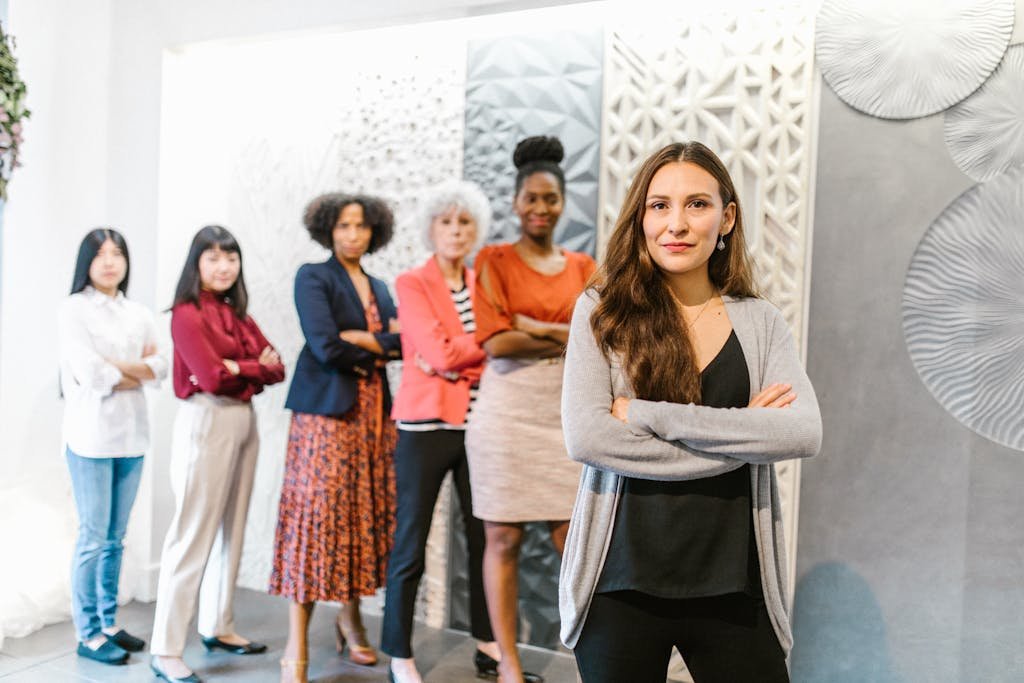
x=682, y=388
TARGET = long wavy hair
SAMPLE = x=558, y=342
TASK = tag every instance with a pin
x=637, y=317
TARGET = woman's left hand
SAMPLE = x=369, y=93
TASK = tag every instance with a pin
x=268, y=356
x=363, y=339
x=530, y=326
x=620, y=408
x=355, y=337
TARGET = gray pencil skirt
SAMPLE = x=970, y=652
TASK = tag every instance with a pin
x=518, y=467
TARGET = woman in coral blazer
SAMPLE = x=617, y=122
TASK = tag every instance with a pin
x=442, y=367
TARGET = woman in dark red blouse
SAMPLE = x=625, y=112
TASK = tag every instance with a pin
x=221, y=360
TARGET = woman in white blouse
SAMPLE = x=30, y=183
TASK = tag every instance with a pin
x=108, y=351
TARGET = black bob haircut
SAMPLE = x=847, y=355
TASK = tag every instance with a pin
x=87, y=251
x=211, y=237
x=539, y=154
x=321, y=215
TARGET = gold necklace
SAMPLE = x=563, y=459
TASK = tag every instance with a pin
x=714, y=293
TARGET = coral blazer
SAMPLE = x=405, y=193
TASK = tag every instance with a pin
x=431, y=329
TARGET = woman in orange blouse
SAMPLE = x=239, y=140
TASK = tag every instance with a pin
x=519, y=469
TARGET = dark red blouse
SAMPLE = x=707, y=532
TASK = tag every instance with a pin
x=204, y=336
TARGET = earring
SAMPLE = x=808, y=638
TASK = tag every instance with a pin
x=721, y=243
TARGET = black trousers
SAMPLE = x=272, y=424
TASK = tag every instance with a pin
x=421, y=461
x=628, y=638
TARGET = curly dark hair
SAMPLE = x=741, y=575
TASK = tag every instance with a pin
x=321, y=215
x=539, y=154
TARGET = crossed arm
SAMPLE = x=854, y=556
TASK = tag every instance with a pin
x=672, y=442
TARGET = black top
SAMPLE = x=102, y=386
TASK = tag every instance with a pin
x=688, y=539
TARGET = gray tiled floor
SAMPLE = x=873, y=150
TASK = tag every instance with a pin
x=48, y=656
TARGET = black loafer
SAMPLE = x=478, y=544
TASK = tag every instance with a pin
x=127, y=641
x=251, y=648
x=107, y=653
x=160, y=673
x=487, y=668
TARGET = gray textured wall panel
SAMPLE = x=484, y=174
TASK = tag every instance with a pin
x=909, y=559
x=536, y=85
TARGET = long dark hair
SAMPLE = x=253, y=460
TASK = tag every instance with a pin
x=211, y=237
x=636, y=315
x=87, y=252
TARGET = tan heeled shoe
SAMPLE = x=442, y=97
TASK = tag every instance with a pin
x=294, y=671
x=359, y=654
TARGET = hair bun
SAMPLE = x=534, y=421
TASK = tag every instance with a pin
x=538, y=148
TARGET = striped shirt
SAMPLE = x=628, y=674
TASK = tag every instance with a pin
x=464, y=307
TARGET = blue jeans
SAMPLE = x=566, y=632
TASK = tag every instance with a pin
x=105, y=490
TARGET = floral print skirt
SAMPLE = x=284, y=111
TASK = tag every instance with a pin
x=337, y=512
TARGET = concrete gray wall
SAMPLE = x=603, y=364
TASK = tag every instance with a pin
x=911, y=553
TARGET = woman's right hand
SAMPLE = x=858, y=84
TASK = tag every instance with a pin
x=231, y=365
x=127, y=382
x=776, y=395
x=423, y=365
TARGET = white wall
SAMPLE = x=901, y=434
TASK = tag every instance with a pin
x=59, y=193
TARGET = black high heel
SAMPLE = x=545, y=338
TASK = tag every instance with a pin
x=487, y=669
x=251, y=648
x=163, y=675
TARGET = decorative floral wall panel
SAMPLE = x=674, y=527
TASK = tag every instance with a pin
x=546, y=84
x=902, y=60
x=963, y=309
x=985, y=132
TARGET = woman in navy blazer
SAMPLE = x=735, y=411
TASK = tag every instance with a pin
x=326, y=375
x=337, y=510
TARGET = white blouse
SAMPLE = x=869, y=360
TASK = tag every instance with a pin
x=98, y=421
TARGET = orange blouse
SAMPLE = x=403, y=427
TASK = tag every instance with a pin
x=517, y=288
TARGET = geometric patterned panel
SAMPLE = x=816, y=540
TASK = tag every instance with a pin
x=742, y=84
x=536, y=85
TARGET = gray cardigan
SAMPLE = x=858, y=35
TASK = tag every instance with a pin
x=673, y=442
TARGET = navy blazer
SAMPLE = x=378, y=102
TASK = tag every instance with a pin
x=325, y=376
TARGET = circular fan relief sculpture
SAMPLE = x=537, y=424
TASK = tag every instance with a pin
x=901, y=59
x=963, y=309
x=985, y=132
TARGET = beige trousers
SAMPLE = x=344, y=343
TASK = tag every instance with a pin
x=213, y=461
